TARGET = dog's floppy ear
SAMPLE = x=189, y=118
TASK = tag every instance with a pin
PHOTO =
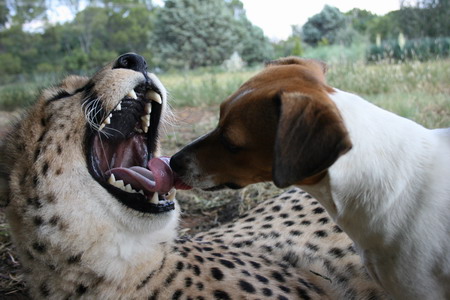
x=310, y=137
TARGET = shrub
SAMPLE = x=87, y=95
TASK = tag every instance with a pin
x=417, y=49
x=337, y=53
x=17, y=96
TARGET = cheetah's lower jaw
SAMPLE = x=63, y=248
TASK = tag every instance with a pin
x=157, y=180
x=152, y=199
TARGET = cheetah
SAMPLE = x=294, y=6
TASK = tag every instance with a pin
x=82, y=234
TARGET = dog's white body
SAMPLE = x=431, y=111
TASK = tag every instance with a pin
x=391, y=194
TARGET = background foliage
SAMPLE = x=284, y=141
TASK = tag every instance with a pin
x=202, y=35
x=186, y=34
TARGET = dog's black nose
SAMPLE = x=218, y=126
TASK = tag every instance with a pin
x=131, y=61
x=177, y=163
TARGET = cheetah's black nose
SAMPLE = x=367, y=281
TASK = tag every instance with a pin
x=131, y=61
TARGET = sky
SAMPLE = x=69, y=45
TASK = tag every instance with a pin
x=275, y=17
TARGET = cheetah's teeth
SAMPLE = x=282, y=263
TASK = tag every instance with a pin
x=154, y=96
x=105, y=122
x=129, y=189
x=108, y=120
x=155, y=198
x=171, y=195
x=118, y=107
x=148, y=108
x=132, y=94
x=145, y=122
x=111, y=179
x=120, y=184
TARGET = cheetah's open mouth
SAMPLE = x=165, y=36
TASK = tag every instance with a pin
x=120, y=152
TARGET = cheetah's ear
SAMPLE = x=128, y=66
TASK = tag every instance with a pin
x=310, y=137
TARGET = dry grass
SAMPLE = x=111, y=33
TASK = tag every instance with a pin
x=12, y=285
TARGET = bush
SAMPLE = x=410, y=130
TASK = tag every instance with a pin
x=25, y=89
x=416, y=49
x=17, y=96
x=337, y=53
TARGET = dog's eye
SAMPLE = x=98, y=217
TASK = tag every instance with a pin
x=229, y=145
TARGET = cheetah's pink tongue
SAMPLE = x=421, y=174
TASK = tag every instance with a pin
x=157, y=178
x=163, y=163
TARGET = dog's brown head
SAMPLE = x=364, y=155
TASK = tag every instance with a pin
x=279, y=126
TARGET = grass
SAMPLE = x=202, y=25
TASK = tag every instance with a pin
x=11, y=277
x=191, y=89
x=416, y=90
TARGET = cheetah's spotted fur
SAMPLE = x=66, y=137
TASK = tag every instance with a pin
x=76, y=240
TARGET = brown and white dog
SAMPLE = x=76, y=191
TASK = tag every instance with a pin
x=384, y=179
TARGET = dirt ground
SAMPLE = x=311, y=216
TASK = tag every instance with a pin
x=200, y=210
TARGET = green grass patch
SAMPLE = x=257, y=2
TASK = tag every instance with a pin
x=429, y=110
x=193, y=89
x=384, y=78
x=416, y=90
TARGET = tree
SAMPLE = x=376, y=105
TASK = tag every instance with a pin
x=130, y=29
x=253, y=46
x=16, y=41
x=190, y=34
x=428, y=18
x=360, y=19
x=194, y=33
x=4, y=14
x=384, y=26
x=323, y=26
x=124, y=4
x=20, y=12
x=90, y=26
x=291, y=46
